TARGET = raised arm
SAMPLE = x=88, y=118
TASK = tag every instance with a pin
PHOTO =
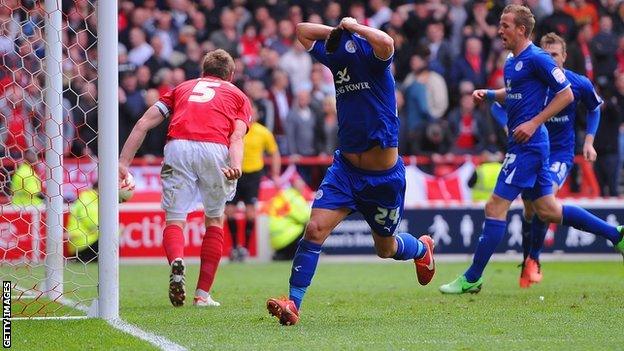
x=150, y=119
x=307, y=33
x=481, y=95
x=382, y=43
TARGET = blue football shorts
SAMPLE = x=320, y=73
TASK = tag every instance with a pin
x=378, y=195
x=560, y=166
x=525, y=170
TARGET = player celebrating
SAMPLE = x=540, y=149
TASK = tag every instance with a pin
x=529, y=73
x=561, y=135
x=209, y=117
x=366, y=175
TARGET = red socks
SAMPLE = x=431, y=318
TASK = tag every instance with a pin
x=173, y=242
x=211, y=251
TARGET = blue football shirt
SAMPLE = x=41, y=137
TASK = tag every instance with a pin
x=561, y=126
x=528, y=78
x=365, y=99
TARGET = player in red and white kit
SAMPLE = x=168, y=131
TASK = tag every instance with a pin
x=208, y=118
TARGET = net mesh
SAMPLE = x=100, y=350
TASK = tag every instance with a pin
x=28, y=158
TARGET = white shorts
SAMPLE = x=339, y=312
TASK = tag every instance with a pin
x=191, y=168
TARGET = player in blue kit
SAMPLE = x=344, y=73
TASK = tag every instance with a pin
x=529, y=74
x=366, y=175
x=562, y=140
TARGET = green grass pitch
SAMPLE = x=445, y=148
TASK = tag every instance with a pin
x=360, y=306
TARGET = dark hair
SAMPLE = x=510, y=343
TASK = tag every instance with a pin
x=218, y=63
x=250, y=24
x=333, y=39
x=422, y=51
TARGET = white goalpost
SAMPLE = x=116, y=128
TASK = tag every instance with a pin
x=54, y=151
x=108, y=118
x=47, y=280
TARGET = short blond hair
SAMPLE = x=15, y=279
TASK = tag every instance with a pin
x=552, y=38
x=522, y=17
x=218, y=63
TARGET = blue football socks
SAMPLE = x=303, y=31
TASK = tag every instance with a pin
x=303, y=267
x=579, y=218
x=493, y=233
x=538, y=233
x=526, y=237
x=408, y=247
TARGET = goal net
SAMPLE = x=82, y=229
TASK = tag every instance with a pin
x=49, y=188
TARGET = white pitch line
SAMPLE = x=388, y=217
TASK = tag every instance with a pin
x=159, y=341
x=25, y=295
x=156, y=340
x=73, y=304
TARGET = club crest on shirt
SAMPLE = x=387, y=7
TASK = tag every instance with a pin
x=319, y=194
x=350, y=46
x=518, y=66
x=558, y=74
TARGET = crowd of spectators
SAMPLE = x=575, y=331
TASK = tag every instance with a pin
x=443, y=51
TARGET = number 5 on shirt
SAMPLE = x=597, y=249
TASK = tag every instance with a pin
x=203, y=91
